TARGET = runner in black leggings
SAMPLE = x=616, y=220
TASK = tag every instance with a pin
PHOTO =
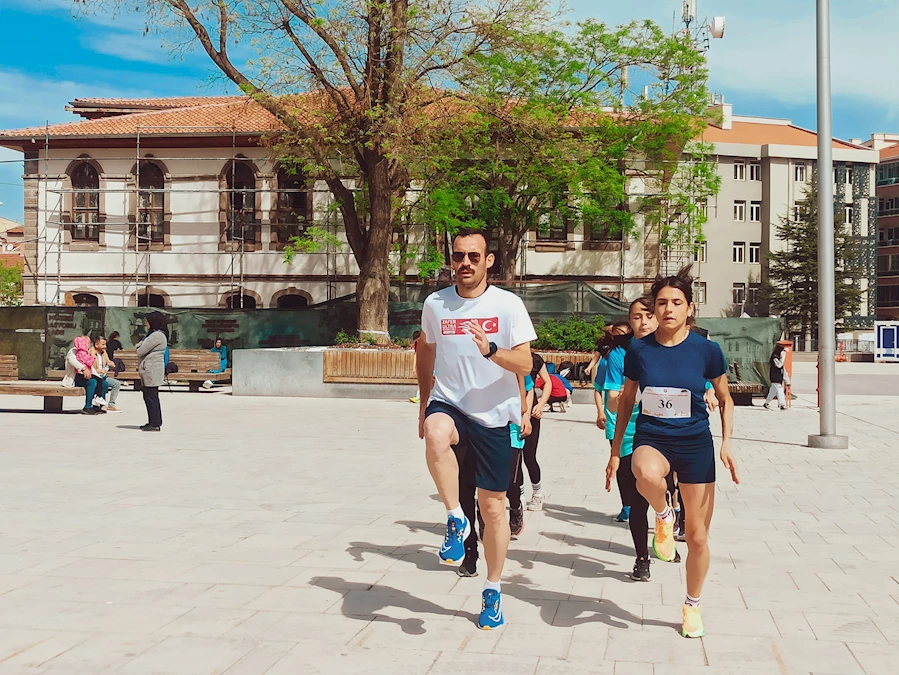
x=529, y=454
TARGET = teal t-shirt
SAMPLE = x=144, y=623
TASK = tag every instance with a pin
x=614, y=381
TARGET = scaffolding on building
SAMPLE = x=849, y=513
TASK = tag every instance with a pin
x=138, y=239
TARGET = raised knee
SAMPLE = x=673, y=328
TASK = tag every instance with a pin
x=438, y=434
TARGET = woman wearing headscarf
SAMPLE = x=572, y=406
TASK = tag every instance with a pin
x=151, y=352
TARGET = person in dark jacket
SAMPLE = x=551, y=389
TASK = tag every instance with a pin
x=151, y=352
x=776, y=375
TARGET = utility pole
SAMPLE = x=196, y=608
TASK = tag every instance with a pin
x=828, y=437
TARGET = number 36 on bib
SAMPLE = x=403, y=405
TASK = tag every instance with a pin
x=667, y=403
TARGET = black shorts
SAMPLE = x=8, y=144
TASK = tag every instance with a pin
x=692, y=458
x=492, y=447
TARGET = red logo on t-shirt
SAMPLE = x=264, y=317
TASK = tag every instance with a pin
x=460, y=326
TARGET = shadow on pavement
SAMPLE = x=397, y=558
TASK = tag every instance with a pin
x=364, y=602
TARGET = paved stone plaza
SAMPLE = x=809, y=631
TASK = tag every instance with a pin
x=292, y=536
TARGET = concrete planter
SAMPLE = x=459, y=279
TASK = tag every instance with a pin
x=301, y=372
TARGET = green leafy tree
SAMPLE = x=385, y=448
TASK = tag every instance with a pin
x=356, y=84
x=11, y=285
x=575, y=334
x=792, y=286
x=550, y=134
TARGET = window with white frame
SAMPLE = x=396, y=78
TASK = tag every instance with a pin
x=740, y=211
x=797, y=213
x=848, y=175
x=800, y=174
x=739, y=169
x=699, y=292
x=739, y=252
x=738, y=294
x=755, y=251
x=700, y=251
x=755, y=171
x=847, y=213
x=755, y=212
x=754, y=296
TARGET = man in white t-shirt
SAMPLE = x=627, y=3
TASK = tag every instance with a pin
x=479, y=336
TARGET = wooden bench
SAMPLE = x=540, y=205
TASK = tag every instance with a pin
x=9, y=368
x=52, y=393
x=193, y=365
x=371, y=366
x=742, y=392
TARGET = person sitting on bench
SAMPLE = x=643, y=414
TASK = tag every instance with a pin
x=79, y=375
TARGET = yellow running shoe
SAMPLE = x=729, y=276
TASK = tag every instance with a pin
x=693, y=627
x=663, y=540
x=414, y=399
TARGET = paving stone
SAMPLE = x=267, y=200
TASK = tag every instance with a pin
x=223, y=547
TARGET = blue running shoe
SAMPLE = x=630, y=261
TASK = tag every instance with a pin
x=491, y=610
x=453, y=550
x=624, y=515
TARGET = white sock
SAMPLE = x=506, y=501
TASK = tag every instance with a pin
x=537, y=487
x=456, y=513
x=667, y=515
x=693, y=602
x=493, y=585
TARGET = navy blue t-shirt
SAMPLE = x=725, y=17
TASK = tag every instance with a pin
x=669, y=369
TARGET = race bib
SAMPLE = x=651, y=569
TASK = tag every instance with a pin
x=666, y=403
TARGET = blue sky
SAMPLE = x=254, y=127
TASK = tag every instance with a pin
x=765, y=65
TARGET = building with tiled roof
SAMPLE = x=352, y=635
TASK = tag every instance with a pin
x=765, y=166
x=887, y=145
x=202, y=218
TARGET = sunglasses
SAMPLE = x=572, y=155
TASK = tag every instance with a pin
x=459, y=256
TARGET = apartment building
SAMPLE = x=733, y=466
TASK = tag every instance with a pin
x=887, y=225
x=765, y=166
x=175, y=203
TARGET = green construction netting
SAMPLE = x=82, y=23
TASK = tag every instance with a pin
x=41, y=336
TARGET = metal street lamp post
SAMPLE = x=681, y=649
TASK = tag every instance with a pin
x=828, y=437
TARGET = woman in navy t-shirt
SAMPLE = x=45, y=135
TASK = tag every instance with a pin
x=670, y=369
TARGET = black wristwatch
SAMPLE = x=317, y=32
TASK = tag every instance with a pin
x=493, y=350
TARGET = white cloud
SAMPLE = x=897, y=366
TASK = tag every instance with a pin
x=769, y=46
x=30, y=101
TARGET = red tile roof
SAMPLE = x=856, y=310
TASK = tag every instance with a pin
x=241, y=115
x=12, y=259
x=891, y=152
x=753, y=133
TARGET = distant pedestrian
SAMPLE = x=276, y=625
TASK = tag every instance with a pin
x=222, y=351
x=776, y=375
x=151, y=352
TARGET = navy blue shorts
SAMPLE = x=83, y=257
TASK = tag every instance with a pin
x=492, y=447
x=692, y=458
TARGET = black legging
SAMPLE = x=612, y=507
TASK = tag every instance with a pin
x=638, y=522
x=467, y=491
x=530, y=451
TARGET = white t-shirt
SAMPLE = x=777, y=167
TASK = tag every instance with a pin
x=466, y=380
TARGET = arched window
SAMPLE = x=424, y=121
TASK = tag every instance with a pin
x=292, y=302
x=236, y=301
x=294, y=206
x=151, y=205
x=85, y=203
x=240, y=223
x=85, y=300
x=150, y=300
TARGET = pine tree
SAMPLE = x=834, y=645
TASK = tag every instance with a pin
x=792, y=288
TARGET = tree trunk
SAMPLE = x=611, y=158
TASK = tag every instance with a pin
x=373, y=287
